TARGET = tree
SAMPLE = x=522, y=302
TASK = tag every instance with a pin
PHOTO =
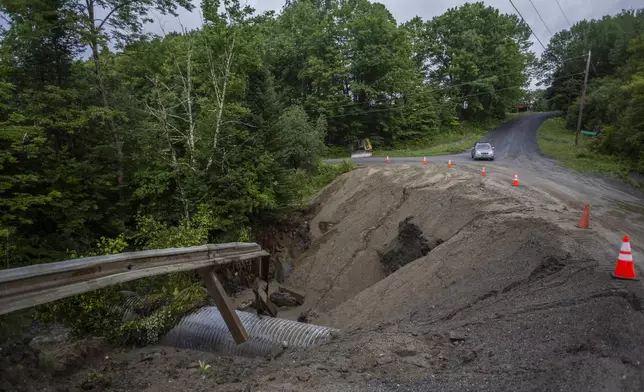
x=562, y=64
x=298, y=141
x=51, y=190
x=479, y=56
x=123, y=21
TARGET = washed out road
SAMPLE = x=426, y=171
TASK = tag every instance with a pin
x=616, y=207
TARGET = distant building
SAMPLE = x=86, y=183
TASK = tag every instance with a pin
x=523, y=107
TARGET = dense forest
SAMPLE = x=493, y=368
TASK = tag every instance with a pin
x=206, y=135
x=615, y=99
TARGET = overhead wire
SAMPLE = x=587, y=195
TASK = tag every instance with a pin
x=399, y=107
x=528, y=24
x=540, y=17
x=334, y=107
x=563, y=13
x=570, y=25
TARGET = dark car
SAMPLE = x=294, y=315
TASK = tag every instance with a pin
x=483, y=150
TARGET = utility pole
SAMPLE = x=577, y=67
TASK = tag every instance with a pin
x=581, y=102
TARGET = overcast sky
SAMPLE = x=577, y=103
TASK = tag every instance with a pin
x=404, y=10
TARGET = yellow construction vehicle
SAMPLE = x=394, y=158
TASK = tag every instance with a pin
x=363, y=150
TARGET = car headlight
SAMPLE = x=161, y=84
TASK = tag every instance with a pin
x=477, y=153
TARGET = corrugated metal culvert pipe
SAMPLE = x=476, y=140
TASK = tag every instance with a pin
x=206, y=330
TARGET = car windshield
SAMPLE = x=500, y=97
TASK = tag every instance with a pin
x=484, y=146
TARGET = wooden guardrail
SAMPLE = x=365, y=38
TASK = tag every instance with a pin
x=41, y=283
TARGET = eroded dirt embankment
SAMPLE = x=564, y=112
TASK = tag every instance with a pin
x=443, y=281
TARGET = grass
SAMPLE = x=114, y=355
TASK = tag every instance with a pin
x=557, y=142
x=311, y=183
x=449, y=143
x=458, y=140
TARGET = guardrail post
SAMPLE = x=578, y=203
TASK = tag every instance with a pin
x=216, y=291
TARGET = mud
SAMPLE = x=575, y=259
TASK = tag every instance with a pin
x=497, y=291
x=409, y=245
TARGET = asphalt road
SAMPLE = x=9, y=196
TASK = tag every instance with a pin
x=514, y=141
x=616, y=207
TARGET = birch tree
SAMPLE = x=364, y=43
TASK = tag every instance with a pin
x=105, y=22
x=189, y=108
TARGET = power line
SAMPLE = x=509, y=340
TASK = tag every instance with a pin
x=542, y=21
x=527, y=24
x=445, y=87
x=399, y=107
x=563, y=13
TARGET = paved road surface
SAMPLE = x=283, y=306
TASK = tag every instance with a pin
x=616, y=208
x=514, y=141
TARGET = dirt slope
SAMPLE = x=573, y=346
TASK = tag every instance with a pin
x=530, y=292
x=508, y=296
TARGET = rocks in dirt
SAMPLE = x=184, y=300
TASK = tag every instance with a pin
x=409, y=245
x=236, y=277
x=69, y=358
x=405, y=353
x=467, y=356
x=456, y=336
x=306, y=316
x=283, y=300
x=302, y=235
x=326, y=226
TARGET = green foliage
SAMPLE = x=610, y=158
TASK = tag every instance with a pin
x=477, y=51
x=148, y=329
x=310, y=183
x=203, y=367
x=200, y=136
x=92, y=312
x=460, y=138
x=556, y=141
x=562, y=64
x=299, y=142
x=13, y=324
x=107, y=312
x=615, y=96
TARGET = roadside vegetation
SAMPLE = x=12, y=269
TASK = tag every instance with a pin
x=458, y=139
x=557, y=141
x=615, y=100
x=453, y=140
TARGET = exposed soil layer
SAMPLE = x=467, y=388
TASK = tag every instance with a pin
x=409, y=245
x=487, y=288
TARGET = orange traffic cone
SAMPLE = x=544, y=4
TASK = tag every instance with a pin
x=584, y=221
x=449, y=163
x=483, y=172
x=515, y=182
x=424, y=160
x=625, y=268
x=387, y=160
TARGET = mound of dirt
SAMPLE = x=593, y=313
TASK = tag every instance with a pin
x=488, y=288
x=492, y=265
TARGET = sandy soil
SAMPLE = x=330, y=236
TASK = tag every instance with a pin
x=511, y=297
